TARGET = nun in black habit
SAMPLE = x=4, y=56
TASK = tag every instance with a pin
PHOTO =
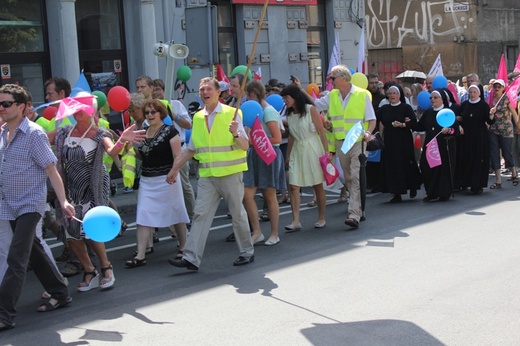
x=438, y=181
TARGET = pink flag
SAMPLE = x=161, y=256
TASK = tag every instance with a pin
x=501, y=74
x=517, y=65
x=69, y=106
x=512, y=92
x=261, y=143
x=453, y=89
x=502, y=70
x=433, y=155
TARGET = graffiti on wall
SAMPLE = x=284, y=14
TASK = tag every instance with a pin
x=389, y=23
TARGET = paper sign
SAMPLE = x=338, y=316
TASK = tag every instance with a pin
x=6, y=71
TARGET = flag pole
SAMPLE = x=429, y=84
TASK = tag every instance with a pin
x=251, y=55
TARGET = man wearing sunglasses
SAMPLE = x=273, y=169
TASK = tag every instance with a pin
x=347, y=105
x=26, y=160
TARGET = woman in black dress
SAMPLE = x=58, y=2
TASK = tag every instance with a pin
x=399, y=171
x=475, y=155
x=438, y=181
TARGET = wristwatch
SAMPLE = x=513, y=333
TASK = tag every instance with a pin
x=237, y=135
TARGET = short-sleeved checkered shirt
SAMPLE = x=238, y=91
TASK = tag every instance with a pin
x=23, y=161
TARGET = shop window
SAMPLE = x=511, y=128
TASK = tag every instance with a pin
x=512, y=55
x=227, y=51
x=101, y=44
x=24, y=54
x=21, y=27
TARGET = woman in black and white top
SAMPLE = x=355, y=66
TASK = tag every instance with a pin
x=160, y=201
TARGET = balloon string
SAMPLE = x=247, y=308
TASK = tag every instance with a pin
x=75, y=218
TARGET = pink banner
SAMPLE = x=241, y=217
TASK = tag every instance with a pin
x=517, y=65
x=261, y=142
x=512, y=92
x=433, y=155
x=502, y=70
x=69, y=106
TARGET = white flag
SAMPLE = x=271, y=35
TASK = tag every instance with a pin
x=335, y=59
x=436, y=69
x=361, y=51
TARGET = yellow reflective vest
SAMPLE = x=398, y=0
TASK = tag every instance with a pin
x=216, y=151
x=343, y=119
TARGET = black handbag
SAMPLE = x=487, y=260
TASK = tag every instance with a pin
x=375, y=143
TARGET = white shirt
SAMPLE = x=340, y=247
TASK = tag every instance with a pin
x=323, y=103
x=211, y=119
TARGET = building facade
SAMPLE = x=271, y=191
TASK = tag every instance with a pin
x=470, y=35
x=113, y=41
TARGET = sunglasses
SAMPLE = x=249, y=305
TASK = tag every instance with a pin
x=333, y=78
x=150, y=112
x=7, y=104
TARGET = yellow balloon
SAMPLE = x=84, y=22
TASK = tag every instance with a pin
x=359, y=80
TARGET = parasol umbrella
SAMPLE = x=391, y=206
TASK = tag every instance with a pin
x=362, y=178
x=411, y=76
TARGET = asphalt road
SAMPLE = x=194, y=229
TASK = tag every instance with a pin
x=443, y=273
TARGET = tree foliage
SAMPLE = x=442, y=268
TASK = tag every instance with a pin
x=22, y=37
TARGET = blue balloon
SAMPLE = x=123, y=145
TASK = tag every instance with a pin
x=187, y=136
x=423, y=100
x=168, y=121
x=440, y=82
x=445, y=117
x=250, y=110
x=352, y=71
x=276, y=101
x=101, y=224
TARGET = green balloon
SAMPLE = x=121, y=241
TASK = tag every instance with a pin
x=101, y=98
x=184, y=73
x=242, y=69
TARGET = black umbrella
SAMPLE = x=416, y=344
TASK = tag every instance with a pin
x=363, y=178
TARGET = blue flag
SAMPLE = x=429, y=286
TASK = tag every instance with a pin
x=352, y=137
x=81, y=85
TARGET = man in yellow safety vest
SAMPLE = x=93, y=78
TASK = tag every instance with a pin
x=219, y=142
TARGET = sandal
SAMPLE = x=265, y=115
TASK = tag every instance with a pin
x=179, y=254
x=85, y=286
x=64, y=255
x=122, y=231
x=282, y=200
x=148, y=251
x=496, y=186
x=311, y=203
x=515, y=181
x=70, y=269
x=107, y=282
x=5, y=325
x=48, y=306
x=133, y=263
x=264, y=217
